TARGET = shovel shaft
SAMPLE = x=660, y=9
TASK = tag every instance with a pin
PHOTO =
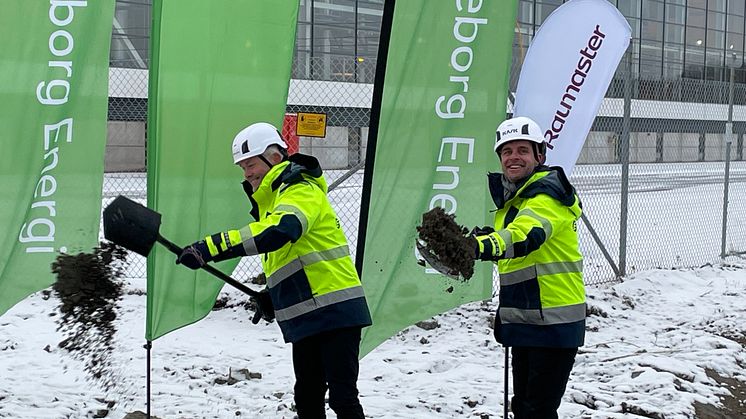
x=209, y=268
x=230, y=281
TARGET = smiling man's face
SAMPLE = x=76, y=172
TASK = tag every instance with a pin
x=254, y=170
x=517, y=159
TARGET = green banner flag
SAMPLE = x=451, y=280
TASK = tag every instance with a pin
x=444, y=93
x=216, y=67
x=53, y=84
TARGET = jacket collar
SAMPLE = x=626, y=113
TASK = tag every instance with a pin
x=547, y=180
x=297, y=168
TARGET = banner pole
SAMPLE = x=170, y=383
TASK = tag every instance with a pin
x=506, y=377
x=375, y=114
x=148, y=346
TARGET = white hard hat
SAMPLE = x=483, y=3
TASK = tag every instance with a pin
x=518, y=128
x=254, y=139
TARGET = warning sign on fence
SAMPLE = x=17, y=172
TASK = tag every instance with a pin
x=311, y=124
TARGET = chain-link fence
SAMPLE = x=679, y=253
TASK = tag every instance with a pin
x=653, y=179
x=651, y=176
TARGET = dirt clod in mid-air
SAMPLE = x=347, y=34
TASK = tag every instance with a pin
x=448, y=240
x=89, y=289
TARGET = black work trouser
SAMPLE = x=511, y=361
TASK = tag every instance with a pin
x=327, y=360
x=539, y=380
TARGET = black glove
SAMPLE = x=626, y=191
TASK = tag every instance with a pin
x=264, y=308
x=485, y=243
x=194, y=256
x=481, y=231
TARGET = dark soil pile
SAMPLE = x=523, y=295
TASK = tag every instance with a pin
x=89, y=290
x=448, y=241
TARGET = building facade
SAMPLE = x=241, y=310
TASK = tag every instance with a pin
x=682, y=54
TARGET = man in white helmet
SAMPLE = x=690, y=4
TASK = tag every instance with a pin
x=313, y=289
x=534, y=242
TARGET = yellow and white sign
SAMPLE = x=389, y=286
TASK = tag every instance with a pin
x=311, y=124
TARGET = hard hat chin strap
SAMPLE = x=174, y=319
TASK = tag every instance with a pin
x=540, y=149
x=264, y=159
x=282, y=152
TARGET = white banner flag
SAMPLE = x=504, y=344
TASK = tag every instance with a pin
x=567, y=69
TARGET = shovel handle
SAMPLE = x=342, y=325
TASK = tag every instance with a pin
x=209, y=268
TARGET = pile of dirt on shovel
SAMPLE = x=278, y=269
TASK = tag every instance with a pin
x=89, y=288
x=448, y=240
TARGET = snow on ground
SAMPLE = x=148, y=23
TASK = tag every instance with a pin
x=652, y=345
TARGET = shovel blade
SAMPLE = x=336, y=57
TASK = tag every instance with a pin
x=431, y=259
x=131, y=225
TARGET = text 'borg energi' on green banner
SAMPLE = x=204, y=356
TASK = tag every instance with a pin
x=445, y=90
x=53, y=84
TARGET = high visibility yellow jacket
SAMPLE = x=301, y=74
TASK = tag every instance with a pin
x=310, y=275
x=542, y=296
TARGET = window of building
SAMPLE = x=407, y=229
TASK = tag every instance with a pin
x=735, y=24
x=634, y=25
x=695, y=17
x=714, y=58
x=717, y=5
x=344, y=38
x=736, y=7
x=734, y=45
x=544, y=8
x=693, y=71
x=675, y=14
x=694, y=55
x=714, y=65
x=672, y=70
x=716, y=20
x=673, y=53
x=525, y=13
x=334, y=39
x=130, y=37
x=369, y=15
x=653, y=10
x=651, y=63
x=715, y=39
x=629, y=8
x=733, y=59
x=302, y=59
x=674, y=33
x=305, y=11
x=651, y=30
x=695, y=36
x=702, y=4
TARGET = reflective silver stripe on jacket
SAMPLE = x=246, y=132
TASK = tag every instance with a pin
x=318, y=302
x=508, y=239
x=247, y=240
x=545, y=224
x=509, y=252
x=554, y=315
x=297, y=264
x=530, y=272
x=297, y=212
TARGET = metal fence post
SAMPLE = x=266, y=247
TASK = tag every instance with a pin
x=624, y=161
x=728, y=142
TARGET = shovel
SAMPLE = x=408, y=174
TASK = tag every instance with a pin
x=424, y=255
x=135, y=228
